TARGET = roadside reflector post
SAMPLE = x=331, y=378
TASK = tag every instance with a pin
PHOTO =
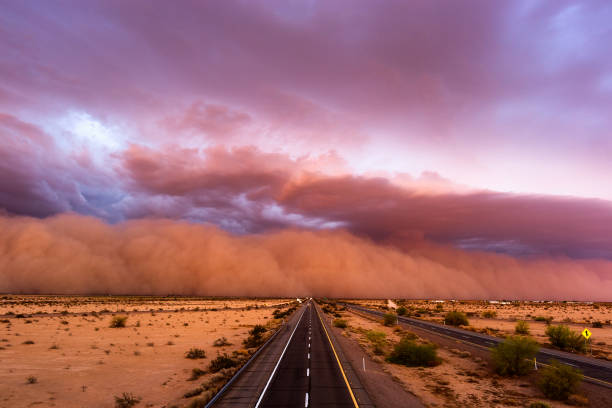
x=364, y=363
x=535, y=363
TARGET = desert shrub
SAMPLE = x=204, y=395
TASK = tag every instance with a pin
x=401, y=311
x=341, y=323
x=456, y=318
x=193, y=393
x=562, y=337
x=389, y=319
x=489, y=314
x=126, y=400
x=32, y=380
x=558, y=381
x=196, y=373
x=195, y=353
x=255, y=338
x=407, y=352
x=199, y=403
x=221, y=362
x=597, y=324
x=375, y=336
x=538, y=405
x=118, y=321
x=220, y=342
x=513, y=356
x=279, y=314
x=522, y=327
x=547, y=320
x=439, y=307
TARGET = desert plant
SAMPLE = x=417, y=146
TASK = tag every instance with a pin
x=401, y=311
x=221, y=362
x=489, y=314
x=407, y=352
x=118, y=321
x=196, y=373
x=375, y=336
x=220, y=342
x=547, y=320
x=32, y=380
x=255, y=338
x=538, y=405
x=340, y=323
x=557, y=381
x=126, y=400
x=199, y=403
x=513, y=356
x=562, y=337
x=389, y=319
x=195, y=353
x=597, y=324
x=456, y=318
x=522, y=327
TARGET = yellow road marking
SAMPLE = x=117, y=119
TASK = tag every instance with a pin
x=338, y=360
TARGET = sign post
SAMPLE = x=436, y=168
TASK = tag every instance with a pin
x=586, y=334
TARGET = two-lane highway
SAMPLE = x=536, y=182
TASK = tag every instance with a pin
x=308, y=373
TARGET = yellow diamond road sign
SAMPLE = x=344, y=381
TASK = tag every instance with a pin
x=586, y=333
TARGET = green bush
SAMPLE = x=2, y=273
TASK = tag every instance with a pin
x=514, y=355
x=558, y=381
x=562, y=337
x=341, y=323
x=522, y=327
x=407, y=352
x=401, y=311
x=489, y=314
x=389, y=319
x=456, y=318
x=222, y=362
x=118, y=321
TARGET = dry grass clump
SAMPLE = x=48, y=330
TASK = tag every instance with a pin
x=195, y=353
x=118, y=321
x=222, y=341
x=340, y=323
x=126, y=400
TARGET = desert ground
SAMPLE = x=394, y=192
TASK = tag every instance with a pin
x=466, y=378
x=499, y=319
x=58, y=351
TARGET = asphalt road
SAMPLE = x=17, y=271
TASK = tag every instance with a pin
x=595, y=371
x=308, y=374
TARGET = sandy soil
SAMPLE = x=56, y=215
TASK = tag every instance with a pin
x=575, y=315
x=26, y=304
x=80, y=361
x=461, y=380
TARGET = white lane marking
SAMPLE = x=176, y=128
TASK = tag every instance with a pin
x=308, y=372
x=308, y=345
x=309, y=356
x=278, y=363
x=306, y=403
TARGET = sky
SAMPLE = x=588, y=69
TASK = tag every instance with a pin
x=462, y=141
